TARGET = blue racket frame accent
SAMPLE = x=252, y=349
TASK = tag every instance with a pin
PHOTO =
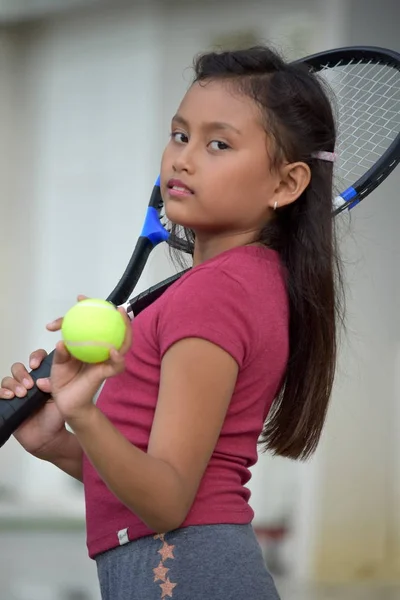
x=348, y=195
x=153, y=229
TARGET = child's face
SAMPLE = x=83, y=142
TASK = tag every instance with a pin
x=219, y=150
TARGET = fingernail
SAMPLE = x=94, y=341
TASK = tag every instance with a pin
x=34, y=363
x=8, y=394
x=26, y=382
x=20, y=391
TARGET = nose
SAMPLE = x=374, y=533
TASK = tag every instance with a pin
x=184, y=160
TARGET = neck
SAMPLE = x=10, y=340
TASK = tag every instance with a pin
x=207, y=247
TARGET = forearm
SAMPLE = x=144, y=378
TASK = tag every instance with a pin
x=71, y=467
x=69, y=457
x=148, y=486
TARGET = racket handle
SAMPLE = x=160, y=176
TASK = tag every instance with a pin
x=14, y=412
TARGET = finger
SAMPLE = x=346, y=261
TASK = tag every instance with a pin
x=10, y=388
x=6, y=394
x=36, y=358
x=81, y=297
x=116, y=357
x=44, y=384
x=21, y=375
x=11, y=384
x=61, y=354
x=55, y=325
x=115, y=364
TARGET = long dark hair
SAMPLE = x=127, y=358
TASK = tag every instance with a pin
x=299, y=119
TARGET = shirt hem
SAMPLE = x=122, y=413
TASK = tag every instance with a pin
x=139, y=530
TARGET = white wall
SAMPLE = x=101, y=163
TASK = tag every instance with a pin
x=17, y=270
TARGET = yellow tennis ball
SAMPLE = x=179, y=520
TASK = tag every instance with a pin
x=91, y=328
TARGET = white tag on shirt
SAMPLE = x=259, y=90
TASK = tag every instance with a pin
x=123, y=536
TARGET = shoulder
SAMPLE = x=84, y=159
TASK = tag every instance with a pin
x=234, y=300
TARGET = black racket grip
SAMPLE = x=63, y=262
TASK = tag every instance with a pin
x=14, y=412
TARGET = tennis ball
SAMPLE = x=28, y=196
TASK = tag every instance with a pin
x=91, y=328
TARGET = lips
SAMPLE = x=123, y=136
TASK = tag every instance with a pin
x=176, y=185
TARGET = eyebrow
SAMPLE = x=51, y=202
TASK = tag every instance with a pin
x=212, y=125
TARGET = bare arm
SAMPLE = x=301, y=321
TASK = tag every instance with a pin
x=68, y=457
x=71, y=461
x=197, y=382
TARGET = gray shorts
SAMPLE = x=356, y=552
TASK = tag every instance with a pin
x=208, y=562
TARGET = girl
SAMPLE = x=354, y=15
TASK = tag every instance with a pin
x=241, y=349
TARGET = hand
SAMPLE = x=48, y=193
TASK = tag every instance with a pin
x=74, y=383
x=43, y=432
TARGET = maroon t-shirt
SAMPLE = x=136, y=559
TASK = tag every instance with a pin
x=237, y=300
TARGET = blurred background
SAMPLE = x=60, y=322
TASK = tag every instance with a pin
x=87, y=90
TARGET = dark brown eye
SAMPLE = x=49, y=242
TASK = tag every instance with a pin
x=179, y=137
x=217, y=145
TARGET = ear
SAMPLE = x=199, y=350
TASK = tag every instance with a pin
x=293, y=180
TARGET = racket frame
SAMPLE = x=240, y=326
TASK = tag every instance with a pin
x=372, y=178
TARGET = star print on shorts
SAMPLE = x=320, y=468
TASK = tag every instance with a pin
x=160, y=573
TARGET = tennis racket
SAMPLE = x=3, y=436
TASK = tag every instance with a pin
x=366, y=83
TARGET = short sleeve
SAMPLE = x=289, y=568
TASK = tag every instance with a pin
x=213, y=305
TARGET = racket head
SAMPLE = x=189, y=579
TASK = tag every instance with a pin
x=365, y=81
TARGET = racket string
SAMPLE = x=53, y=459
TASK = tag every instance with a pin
x=368, y=98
